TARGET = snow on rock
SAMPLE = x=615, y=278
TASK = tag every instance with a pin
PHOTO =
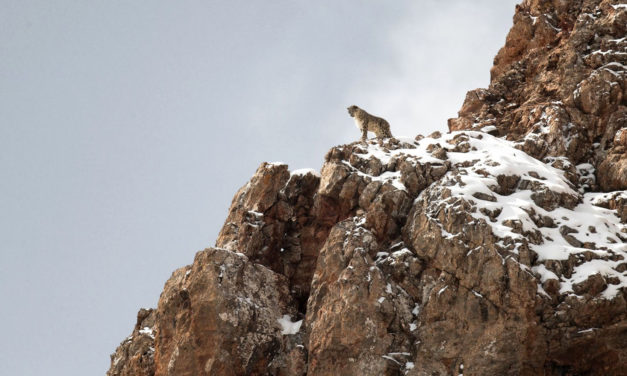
x=276, y=164
x=147, y=331
x=289, y=327
x=525, y=202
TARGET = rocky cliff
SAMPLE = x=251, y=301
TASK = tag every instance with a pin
x=499, y=248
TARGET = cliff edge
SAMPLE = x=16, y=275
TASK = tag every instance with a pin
x=499, y=248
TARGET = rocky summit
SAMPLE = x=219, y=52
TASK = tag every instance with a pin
x=499, y=248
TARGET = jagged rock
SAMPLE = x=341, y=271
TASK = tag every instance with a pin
x=358, y=322
x=220, y=316
x=558, y=86
x=136, y=354
x=592, y=286
x=492, y=250
x=613, y=172
x=271, y=221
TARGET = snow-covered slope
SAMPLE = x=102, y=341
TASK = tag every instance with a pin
x=526, y=202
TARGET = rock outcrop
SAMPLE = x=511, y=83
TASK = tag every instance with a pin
x=558, y=86
x=499, y=248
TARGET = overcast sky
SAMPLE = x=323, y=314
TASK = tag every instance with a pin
x=127, y=126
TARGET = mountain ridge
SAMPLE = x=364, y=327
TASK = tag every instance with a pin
x=497, y=248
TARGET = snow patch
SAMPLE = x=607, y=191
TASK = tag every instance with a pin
x=416, y=310
x=147, y=331
x=276, y=164
x=289, y=327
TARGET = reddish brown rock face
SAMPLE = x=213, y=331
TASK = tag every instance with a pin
x=359, y=319
x=559, y=87
x=136, y=354
x=219, y=316
x=492, y=250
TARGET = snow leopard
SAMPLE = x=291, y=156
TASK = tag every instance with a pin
x=366, y=122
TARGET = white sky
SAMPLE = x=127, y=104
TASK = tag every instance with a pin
x=126, y=128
